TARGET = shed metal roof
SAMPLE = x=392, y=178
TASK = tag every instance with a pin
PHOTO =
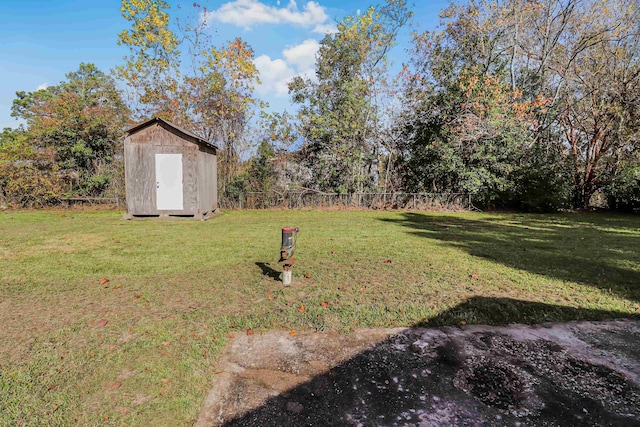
x=143, y=125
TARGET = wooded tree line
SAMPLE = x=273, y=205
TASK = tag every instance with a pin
x=525, y=104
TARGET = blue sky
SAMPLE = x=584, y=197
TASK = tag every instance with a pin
x=42, y=40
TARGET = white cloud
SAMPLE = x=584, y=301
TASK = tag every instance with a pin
x=299, y=60
x=43, y=86
x=274, y=75
x=247, y=13
x=325, y=28
x=303, y=56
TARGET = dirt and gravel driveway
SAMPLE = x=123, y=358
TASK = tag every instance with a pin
x=578, y=373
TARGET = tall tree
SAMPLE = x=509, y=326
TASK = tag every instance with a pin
x=80, y=121
x=574, y=63
x=218, y=100
x=602, y=75
x=340, y=109
x=466, y=127
x=152, y=68
x=201, y=87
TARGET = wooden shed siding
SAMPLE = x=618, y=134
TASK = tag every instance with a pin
x=203, y=194
x=140, y=170
x=198, y=165
x=207, y=176
x=190, y=181
x=213, y=177
x=212, y=182
x=156, y=134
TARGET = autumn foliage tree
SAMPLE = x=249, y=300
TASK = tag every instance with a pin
x=182, y=77
x=571, y=65
x=218, y=101
x=340, y=110
x=28, y=177
x=79, y=124
x=152, y=67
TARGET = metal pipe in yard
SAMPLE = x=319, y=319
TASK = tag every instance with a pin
x=286, y=276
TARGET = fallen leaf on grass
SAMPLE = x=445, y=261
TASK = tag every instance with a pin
x=249, y=331
x=324, y=304
x=231, y=335
x=307, y=276
x=116, y=287
x=388, y=261
x=52, y=387
x=474, y=276
x=103, y=322
x=292, y=333
x=113, y=386
x=302, y=309
x=103, y=281
x=270, y=297
x=334, y=252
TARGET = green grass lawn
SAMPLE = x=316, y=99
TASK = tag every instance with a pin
x=179, y=289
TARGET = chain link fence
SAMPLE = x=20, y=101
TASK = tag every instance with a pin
x=313, y=199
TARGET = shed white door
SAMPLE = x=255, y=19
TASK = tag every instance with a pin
x=169, y=182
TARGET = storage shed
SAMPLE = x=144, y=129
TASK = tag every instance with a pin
x=169, y=171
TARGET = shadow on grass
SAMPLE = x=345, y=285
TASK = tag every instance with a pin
x=503, y=311
x=269, y=271
x=431, y=376
x=597, y=250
